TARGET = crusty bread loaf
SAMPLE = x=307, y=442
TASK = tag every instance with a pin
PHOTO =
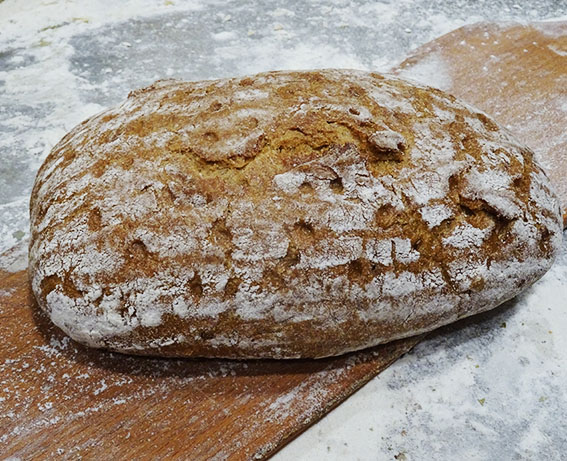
x=287, y=214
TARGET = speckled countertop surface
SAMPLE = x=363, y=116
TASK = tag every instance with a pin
x=492, y=388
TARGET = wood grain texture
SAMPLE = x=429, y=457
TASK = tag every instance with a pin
x=59, y=399
x=516, y=73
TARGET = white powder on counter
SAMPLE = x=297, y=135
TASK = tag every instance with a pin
x=61, y=62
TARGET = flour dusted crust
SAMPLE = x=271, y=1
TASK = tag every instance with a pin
x=286, y=214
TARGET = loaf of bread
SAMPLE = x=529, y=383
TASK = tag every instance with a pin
x=283, y=215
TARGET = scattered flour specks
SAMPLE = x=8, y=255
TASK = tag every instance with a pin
x=64, y=61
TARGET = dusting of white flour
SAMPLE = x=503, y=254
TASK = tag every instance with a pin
x=500, y=381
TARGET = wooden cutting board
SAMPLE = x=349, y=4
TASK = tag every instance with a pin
x=61, y=400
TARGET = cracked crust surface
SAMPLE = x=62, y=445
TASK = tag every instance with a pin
x=286, y=214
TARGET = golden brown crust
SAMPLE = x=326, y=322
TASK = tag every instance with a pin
x=287, y=214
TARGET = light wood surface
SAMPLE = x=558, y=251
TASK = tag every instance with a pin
x=60, y=400
x=516, y=73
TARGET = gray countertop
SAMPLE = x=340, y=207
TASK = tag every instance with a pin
x=493, y=388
